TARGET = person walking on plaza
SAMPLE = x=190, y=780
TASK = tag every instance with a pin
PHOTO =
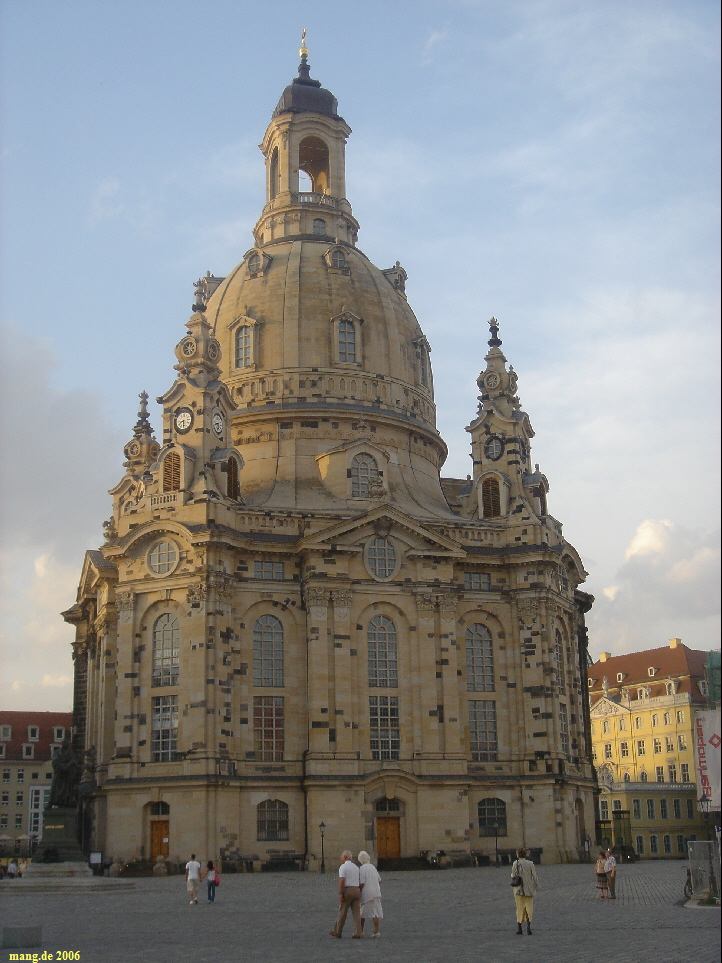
x=610, y=868
x=526, y=883
x=193, y=877
x=370, y=883
x=600, y=873
x=212, y=876
x=349, y=895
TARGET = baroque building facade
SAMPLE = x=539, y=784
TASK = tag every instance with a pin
x=643, y=738
x=294, y=620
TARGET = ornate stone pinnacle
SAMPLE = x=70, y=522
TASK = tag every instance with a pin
x=142, y=426
x=494, y=340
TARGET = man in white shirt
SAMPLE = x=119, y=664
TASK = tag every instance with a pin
x=610, y=868
x=349, y=895
x=193, y=877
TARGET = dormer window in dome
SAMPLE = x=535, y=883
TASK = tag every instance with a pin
x=347, y=339
x=257, y=263
x=243, y=333
x=335, y=258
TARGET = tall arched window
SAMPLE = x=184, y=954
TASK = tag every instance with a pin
x=243, y=346
x=479, y=659
x=268, y=652
x=233, y=485
x=383, y=667
x=171, y=472
x=491, y=498
x=319, y=225
x=272, y=820
x=381, y=557
x=492, y=817
x=166, y=641
x=347, y=342
x=364, y=471
x=274, y=182
x=559, y=660
x=313, y=160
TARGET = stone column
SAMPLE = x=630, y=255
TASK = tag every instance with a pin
x=452, y=729
x=424, y=678
x=317, y=601
x=345, y=706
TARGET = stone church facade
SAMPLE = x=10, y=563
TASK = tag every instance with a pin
x=294, y=620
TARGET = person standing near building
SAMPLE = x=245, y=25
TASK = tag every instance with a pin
x=212, y=876
x=524, y=871
x=349, y=894
x=610, y=868
x=370, y=883
x=600, y=874
x=193, y=877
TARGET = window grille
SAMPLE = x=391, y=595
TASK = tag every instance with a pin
x=383, y=666
x=268, y=728
x=682, y=743
x=636, y=809
x=482, y=730
x=364, y=473
x=164, y=741
x=607, y=750
x=477, y=582
x=162, y=558
x=384, y=727
x=657, y=746
x=663, y=809
x=492, y=817
x=233, y=484
x=681, y=848
x=650, y=809
x=672, y=771
x=667, y=843
x=659, y=771
x=668, y=744
x=254, y=263
x=641, y=747
x=603, y=809
x=491, y=498
x=386, y=805
x=559, y=660
x=684, y=769
x=624, y=749
x=272, y=820
x=347, y=342
x=268, y=652
x=616, y=805
x=338, y=260
x=643, y=776
x=639, y=844
x=690, y=809
x=564, y=728
x=20, y=775
x=166, y=643
x=677, y=808
x=6, y=775
x=159, y=808
x=171, y=472
x=479, y=659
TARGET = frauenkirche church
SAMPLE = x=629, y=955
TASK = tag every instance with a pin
x=294, y=620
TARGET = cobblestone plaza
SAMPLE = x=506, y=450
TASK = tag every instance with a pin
x=456, y=915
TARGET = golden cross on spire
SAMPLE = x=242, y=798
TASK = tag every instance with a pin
x=303, y=52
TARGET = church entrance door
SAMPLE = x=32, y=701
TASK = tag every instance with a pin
x=388, y=837
x=159, y=839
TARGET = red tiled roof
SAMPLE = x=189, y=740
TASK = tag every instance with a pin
x=45, y=721
x=669, y=663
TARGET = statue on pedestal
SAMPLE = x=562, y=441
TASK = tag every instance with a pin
x=66, y=773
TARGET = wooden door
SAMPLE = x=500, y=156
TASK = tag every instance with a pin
x=388, y=837
x=159, y=839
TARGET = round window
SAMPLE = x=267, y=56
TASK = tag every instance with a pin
x=254, y=263
x=381, y=558
x=163, y=558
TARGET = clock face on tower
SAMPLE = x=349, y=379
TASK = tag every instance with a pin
x=183, y=420
x=217, y=423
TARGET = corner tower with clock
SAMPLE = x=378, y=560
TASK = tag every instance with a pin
x=294, y=619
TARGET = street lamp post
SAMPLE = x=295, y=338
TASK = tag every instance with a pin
x=322, y=830
x=496, y=844
x=704, y=804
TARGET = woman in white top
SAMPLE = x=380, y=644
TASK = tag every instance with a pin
x=523, y=870
x=370, y=893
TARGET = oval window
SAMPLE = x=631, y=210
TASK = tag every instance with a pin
x=381, y=557
x=254, y=263
x=162, y=558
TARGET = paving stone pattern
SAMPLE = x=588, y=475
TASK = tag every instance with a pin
x=431, y=917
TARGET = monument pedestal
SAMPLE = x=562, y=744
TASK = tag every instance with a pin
x=60, y=838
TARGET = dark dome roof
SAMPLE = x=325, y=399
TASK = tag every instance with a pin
x=307, y=94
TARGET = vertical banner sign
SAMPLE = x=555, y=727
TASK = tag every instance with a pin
x=707, y=742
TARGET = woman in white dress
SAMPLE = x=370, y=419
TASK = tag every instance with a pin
x=370, y=882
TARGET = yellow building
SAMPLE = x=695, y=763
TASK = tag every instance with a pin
x=294, y=620
x=642, y=723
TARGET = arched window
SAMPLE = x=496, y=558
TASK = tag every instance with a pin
x=233, y=485
x=272, y=820
x=383, y=667
x=479, y=659
x=166, y=639
x=491, y=498
x=643, y=776
x=381, y=557
x=492, y=817
x=364, y=471
x=313, y=160
x=274, y=182
x=559, y=659
x=319, y=225
x=243, y=346
x=346, y=342
x=268, y=652
x=171, y=472
x=338, y=260
x=386, y=805
x=159, y=809
x=627, y=777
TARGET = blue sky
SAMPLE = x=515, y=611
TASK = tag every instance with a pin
x=552, y=163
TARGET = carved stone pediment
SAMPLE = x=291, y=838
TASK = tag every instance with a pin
x=605, y=707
